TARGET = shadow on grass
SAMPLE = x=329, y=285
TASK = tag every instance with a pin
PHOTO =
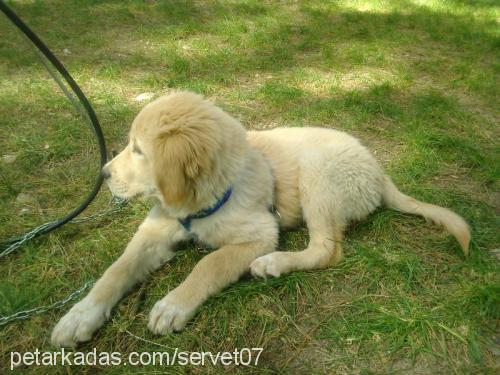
x=305, y=35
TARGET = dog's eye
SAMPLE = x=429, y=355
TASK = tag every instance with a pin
x=136, y=150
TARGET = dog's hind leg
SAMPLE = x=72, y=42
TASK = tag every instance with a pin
x=324, y=248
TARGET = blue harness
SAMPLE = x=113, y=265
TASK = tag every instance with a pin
x=186, y=222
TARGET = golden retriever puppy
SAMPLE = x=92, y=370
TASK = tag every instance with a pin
x=213, y=181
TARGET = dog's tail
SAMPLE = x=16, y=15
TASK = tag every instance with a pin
x=452, y=222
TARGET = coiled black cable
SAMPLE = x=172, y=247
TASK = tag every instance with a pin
x=9, y=245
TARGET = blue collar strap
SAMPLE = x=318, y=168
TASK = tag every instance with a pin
x=186, y=222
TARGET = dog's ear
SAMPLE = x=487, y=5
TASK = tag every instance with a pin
x=182, y=154
x=172, y=154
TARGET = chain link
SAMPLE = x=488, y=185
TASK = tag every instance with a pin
x=24, y=314
x=120, y=203
x=40, y=310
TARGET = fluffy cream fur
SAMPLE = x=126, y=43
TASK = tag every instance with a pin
x=183, y=153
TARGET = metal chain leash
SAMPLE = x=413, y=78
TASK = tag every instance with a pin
x=33, y=233
x=40, y=310
x=24, y=314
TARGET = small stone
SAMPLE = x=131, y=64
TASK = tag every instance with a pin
x=24, y=211
x=144, y=96
x=495, y=347
x=463, y=330
x=495, y=253
x=9, y=158
x=29, y=204
x=25, y=198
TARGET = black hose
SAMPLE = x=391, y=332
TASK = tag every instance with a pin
x=89, y=112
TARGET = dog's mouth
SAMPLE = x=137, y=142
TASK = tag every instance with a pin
x=119, y=191
x=123, y=192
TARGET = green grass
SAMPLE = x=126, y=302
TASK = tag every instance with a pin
x=417, y=81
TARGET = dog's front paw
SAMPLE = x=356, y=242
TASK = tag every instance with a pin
x=170, y=314
x=267, y=265
x=79, y=324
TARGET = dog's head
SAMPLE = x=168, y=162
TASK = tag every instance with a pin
x=182, y=149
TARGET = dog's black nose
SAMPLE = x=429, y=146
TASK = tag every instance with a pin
x=105, y=173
